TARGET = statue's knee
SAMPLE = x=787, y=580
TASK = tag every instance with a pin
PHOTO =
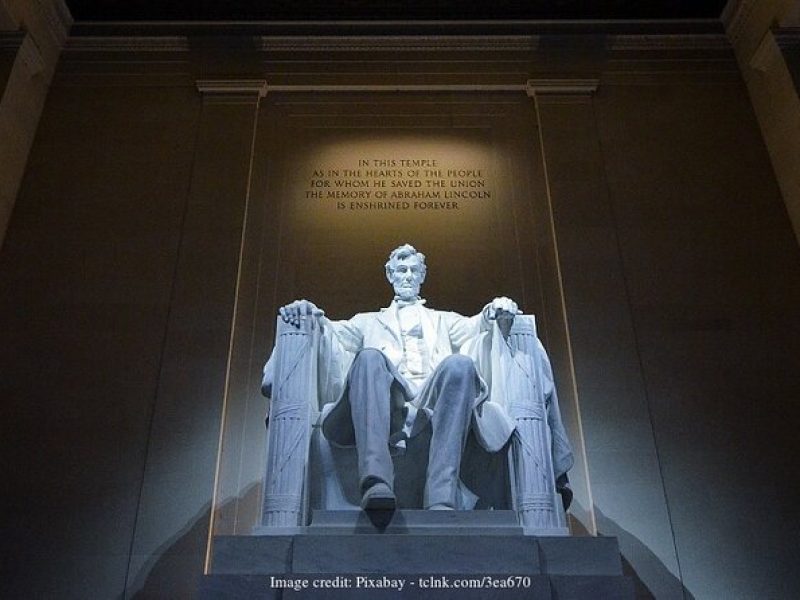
x=459, y=366
x=369, y=358
x=460, y=376
x=368, y=364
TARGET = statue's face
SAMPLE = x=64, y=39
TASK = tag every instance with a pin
x=407, y=277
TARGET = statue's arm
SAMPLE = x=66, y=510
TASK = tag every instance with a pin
x=464, y=330
x=338, y=338
x=339, y=341
x=347, y=333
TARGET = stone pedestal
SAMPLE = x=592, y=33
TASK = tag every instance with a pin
x=415, y=554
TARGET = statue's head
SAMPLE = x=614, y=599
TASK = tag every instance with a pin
x=405, y=270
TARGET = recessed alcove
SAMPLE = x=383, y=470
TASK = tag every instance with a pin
x=339, y=179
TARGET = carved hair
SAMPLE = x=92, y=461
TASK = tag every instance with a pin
x=402, y=252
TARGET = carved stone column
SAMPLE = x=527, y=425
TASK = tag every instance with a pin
x=292, y=411
x=536, y=501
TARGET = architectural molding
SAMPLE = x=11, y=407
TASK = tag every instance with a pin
x=232, y=87
x=541, y=87
x=398, y=28
x=727, y=74
x=399, y=88
x=531, y=87
x=399, y=43
x=327, y=43
x=666, y=42
x=134, y=43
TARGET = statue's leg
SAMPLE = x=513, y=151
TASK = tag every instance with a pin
x=455, y=386
x=369, y=396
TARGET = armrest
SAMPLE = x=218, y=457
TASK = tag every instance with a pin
x=290, y=378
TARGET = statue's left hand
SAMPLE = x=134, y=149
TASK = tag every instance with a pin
x=298, y=311
x=501, y=305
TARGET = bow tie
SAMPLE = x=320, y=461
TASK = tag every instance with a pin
x=403, y=303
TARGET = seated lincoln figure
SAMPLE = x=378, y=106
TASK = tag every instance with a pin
x=409, y=368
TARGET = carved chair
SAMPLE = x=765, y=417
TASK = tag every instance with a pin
x=305, y=472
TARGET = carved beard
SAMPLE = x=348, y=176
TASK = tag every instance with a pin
x=407, y=293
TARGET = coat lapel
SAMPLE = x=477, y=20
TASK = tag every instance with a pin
x=388, y=318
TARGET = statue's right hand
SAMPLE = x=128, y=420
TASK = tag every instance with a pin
x=300, y=310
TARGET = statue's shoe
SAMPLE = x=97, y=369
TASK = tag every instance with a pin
x=378, y=497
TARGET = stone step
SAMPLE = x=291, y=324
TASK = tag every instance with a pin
x=454, y=522
x=593, y=556
x=409, y=554
x=354, y=553
x=346, y=554
x=580, y=587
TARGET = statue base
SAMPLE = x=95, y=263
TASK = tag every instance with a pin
x=347, y=554
x=403, y=521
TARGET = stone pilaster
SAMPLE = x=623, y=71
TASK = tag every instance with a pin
x=184, y=431
x=611, y=396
